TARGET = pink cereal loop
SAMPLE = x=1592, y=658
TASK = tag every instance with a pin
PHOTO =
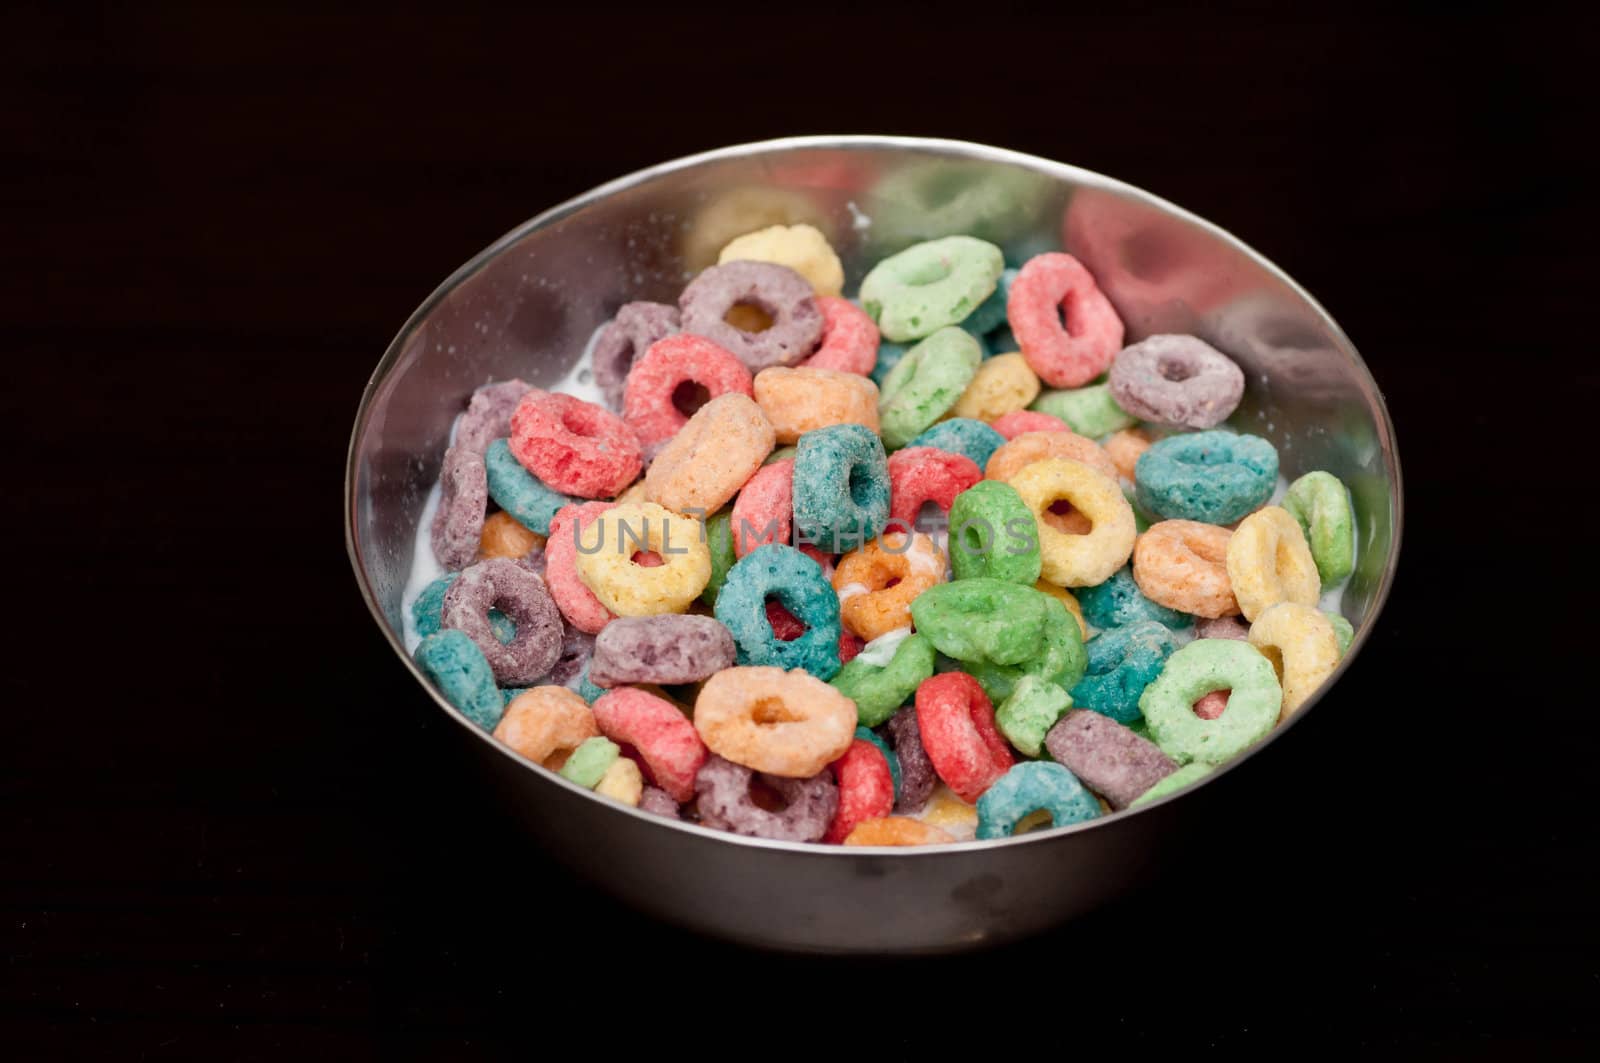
x=1017, y=422
x=1070, y=357
x=764, y=511
x=682, y=358
x=575, y=600
x=664, y=737
x=849, y=338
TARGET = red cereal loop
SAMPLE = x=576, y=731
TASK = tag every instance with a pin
x=663, y=737
x=575, y=600
x=1017, y=422
x=647, y=396
x=573, y=446
x=866, y=789
x=849, y=338
x=1048, y=288
x=956, y=722
x=927, y=474
x=764, y=511
x=850, y=645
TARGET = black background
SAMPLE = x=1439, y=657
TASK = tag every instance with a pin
x=226, y=831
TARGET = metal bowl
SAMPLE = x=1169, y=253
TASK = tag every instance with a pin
x=526, y=306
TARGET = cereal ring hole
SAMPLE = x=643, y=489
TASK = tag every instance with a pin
x=748, y=317
x=768, y=711
x=764, y=797
x=1210, y=706
x=1065, y=518
x=862, y=486
x=1040, y=819
x=689, y=396
x=786, y=627
x=647, y=559
x=1174, y=370
x=927, y=273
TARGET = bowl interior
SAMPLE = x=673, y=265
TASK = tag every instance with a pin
x=527, y=306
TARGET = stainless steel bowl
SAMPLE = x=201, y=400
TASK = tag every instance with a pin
x=526, y=306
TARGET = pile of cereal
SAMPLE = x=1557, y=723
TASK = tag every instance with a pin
x=941, y=562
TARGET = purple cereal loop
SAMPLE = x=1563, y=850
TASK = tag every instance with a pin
x=577, y=646
x=463, y=500
x=780, y=292
x=1223, y=627
x=624, y=339
x=723, y=798
x=1176, y=380
x=917, y=777
x=656, y=800
x=488, y=415
x=501, y=583
x=668, y=649
x=1107, y=757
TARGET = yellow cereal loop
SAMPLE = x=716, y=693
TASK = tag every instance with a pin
x=742, y=210
x=606, y=565
x=1003, y=384
x=1068, y=599
x=622, y=782
x=504, y=537
x=1269, y=562
x=800, y=247
x=1078, y=560
x=1302, y=646
x=634, y=492
x=950, y=814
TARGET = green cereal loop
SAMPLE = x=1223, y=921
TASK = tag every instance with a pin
x=1184, y=776
x=879, y=691
x=989, y=523
x=1062, y=658
x=1031, y=710
x=780, y=454
x=1089, y=411
x=1195, y=671
x=930, y=286
x=926, y=383
x=1320, y=504
x=590, y=761
x=1342, y=630
x=982, y=619
x=719, y=537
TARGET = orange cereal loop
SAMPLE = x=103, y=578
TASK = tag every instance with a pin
x=1002, y=385
x=1068, y=599
x=877, y=583
x=1124, y=448
x=504, y=537
x=1183, y=565
x=1030, y=447
x=711, y=457
x=782, y=723
x=545, y=724
x=897, y=830
x=802, y=400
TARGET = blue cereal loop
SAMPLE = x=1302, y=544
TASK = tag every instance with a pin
x=1030, y=787
x=457, y=667
x=965, y=436
x=1214, y=477
x=1122, y=662
x=841, y=487
x=1118, y=602
x=518, y=492
x=796, y=581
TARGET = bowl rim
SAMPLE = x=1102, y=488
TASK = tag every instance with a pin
x=1389, y=449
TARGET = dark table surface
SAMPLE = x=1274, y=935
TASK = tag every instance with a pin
x=225, y=832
